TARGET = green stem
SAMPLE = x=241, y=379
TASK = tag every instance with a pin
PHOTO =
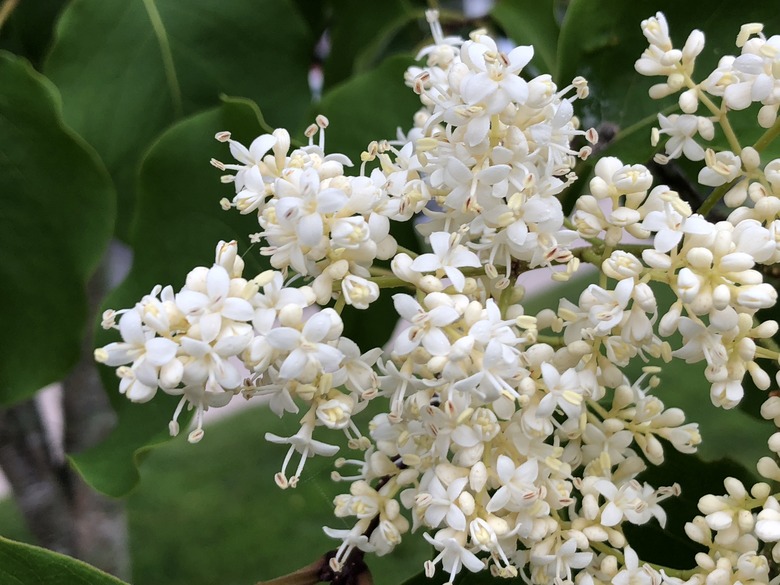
x=379, y=271
x=410, y=253
x=716, y=195
x=768, y=136
x=505, y=300
x=552, y=340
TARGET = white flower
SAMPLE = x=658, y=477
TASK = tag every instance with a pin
x=518, y=489
x=633, y=573
x=564, y=560
x=302, y=203
x=303, y=443
x=352, y=539
x=453, y=554
x=681, y=130
x=670, y=226
x=443, y=504
x=310, y=354
x=721, y=168
x=566, y=391
x=425, y=327
x=212, y=302
x=448, y=256
x=147, y=353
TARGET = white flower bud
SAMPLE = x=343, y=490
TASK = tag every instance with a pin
x=670, y=320
x=699, y=258
x=770, y=409
x=735, y=488
x=693, y=45
x=196, y=279
x=767, y=467
x=709, y=504
x=767, y=116
x=759, y=296
x=624, y=216
x=689, y=101
x=688, y=284
x=656, y=259
x=171, y=374
x=478, y=477
x=401, y=266
x=290, y=315
x=768, y=525
x=695, y=532
x=760, y=378
x=429, y=283
x=761, y=491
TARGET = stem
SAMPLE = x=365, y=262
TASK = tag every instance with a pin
x=390, y=282
x=715, y=196
x=340, y=302
x=379, y=271
x=553, y=340
x=768, y=136
x=505, y=300
x=719, y=113
x=407, y=251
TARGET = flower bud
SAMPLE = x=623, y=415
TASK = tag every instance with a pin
x=689, y=101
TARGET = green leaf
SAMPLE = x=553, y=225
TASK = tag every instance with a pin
x=24, y=564
x=127, y=69
x=56, y=213
x=355, y=31
x=178, y=227
x=531, y=22
x=28, y=31
x=370, y=106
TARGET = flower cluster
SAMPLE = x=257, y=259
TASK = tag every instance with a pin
x=513, y=441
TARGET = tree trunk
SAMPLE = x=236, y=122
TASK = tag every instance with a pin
x=60, y=509
x=39, y=483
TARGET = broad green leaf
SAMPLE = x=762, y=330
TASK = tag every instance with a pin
x=357, y=35
x=127, y=69
x=56, y=216
x=370, y=107
x=224, y=486
x=29, y=29
x=178, y=226
x=24, y=564
x=531, y=22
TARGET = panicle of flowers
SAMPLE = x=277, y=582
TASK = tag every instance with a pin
x=513, y=441
x=490, y=151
